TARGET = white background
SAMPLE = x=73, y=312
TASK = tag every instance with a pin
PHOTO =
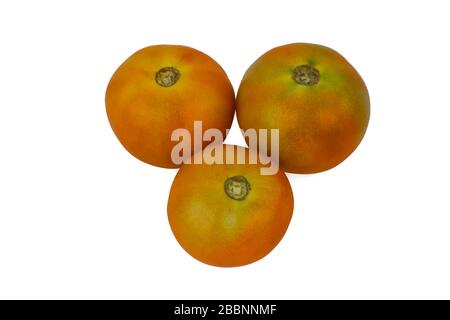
x=81, y=218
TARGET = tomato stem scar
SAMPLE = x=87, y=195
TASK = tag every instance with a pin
x=237, y=187
x=306, y=75
x=167, y=76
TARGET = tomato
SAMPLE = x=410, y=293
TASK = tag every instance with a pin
x=316, y=99
x=229, y=215
x=162, y=88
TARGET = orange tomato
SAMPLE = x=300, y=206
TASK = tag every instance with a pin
x=316, y=99
x=161, y=88
x=229, y=214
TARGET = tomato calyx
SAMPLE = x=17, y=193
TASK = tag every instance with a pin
x=167, y=76
x=306, y=75
x=237, y=187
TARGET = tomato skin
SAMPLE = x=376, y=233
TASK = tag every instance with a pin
x=143, y=113
x=320, y=125
x=220, y=231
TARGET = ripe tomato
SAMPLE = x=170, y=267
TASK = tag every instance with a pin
x=162, y=88
x=229, y=214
